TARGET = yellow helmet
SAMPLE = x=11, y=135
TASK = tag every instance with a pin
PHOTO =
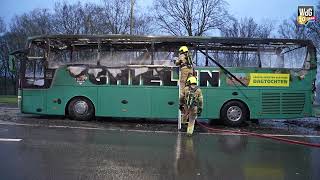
x=183, y=49
x=192, y=80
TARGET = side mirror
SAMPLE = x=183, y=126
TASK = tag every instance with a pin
x=12, y=66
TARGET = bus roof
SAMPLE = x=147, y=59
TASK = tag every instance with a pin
x=200, y=42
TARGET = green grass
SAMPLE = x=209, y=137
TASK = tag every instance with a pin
x=8, y=99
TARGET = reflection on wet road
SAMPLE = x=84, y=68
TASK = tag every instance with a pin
x=66, y=153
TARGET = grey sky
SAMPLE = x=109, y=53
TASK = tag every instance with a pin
x=260, y=10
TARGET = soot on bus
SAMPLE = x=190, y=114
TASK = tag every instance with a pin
x=138, y=76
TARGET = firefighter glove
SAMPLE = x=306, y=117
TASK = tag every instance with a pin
x=181, y=107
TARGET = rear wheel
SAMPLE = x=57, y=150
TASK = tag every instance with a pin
x=233, y=113
x=81, y=108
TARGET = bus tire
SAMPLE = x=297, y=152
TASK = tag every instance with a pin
x=81, y=108
x=234, y=113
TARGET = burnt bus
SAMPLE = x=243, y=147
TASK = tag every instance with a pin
x=83, y=76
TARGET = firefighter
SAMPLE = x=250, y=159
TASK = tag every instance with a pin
x=191, y=103
x=185, y=63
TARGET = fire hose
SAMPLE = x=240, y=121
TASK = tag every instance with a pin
x=290, y=141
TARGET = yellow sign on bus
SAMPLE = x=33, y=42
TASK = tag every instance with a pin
x=269, y=79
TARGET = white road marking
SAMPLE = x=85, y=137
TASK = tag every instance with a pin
x=149, y=131
x=10, y=140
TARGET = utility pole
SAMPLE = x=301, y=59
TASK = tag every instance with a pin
x=131, y=16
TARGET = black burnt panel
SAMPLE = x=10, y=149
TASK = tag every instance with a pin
x=165, y=76
x=135, y=80
x=148, y=77
x=123, y=77
x=213, y=80
x=101, y=75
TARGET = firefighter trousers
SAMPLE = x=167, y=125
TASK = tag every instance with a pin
x=189, y=116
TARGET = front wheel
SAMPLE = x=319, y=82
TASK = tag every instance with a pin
x=81, y=109
x=233, y=113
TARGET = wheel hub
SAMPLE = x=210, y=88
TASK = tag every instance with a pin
x=81, y=107
x=234, y=113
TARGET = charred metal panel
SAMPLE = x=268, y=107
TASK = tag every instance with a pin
x=148, y=76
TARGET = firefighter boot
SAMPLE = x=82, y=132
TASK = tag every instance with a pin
x=190, y=127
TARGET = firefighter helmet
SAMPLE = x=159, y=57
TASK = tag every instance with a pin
x=192, y=80
x=183, y=49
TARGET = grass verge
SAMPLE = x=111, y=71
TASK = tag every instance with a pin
x=8, y=99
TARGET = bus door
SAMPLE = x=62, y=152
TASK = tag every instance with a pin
x=33, y=85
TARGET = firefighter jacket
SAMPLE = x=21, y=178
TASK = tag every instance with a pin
x=191, y=97
x=184, y=61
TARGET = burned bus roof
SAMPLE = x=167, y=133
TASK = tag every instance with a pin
x=61, y=42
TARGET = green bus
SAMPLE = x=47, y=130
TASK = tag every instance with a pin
x=83, y=76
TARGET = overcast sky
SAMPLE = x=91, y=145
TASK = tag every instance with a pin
x=260, y=10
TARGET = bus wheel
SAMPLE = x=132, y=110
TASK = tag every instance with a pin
x=233, y=113
x=81, y=109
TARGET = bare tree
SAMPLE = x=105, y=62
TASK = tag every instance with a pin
x=4, y=67
x=113, y=17
x=92, y=19
x=5, y=74
x=79, y=18
x=291, y=29
x=190, y=17
x=244, y=28
x=314, y=28
x=248, y=28
x=143, y=24
x=2, y=26
x=67, y=18
x=117, y=16
x=36, y=22
x=2, y=42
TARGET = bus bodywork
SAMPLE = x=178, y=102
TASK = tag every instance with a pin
x=151, y=91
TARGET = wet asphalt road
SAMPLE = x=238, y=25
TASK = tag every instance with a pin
x=57, y=148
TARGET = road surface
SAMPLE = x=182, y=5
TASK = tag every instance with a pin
x=39, y=147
